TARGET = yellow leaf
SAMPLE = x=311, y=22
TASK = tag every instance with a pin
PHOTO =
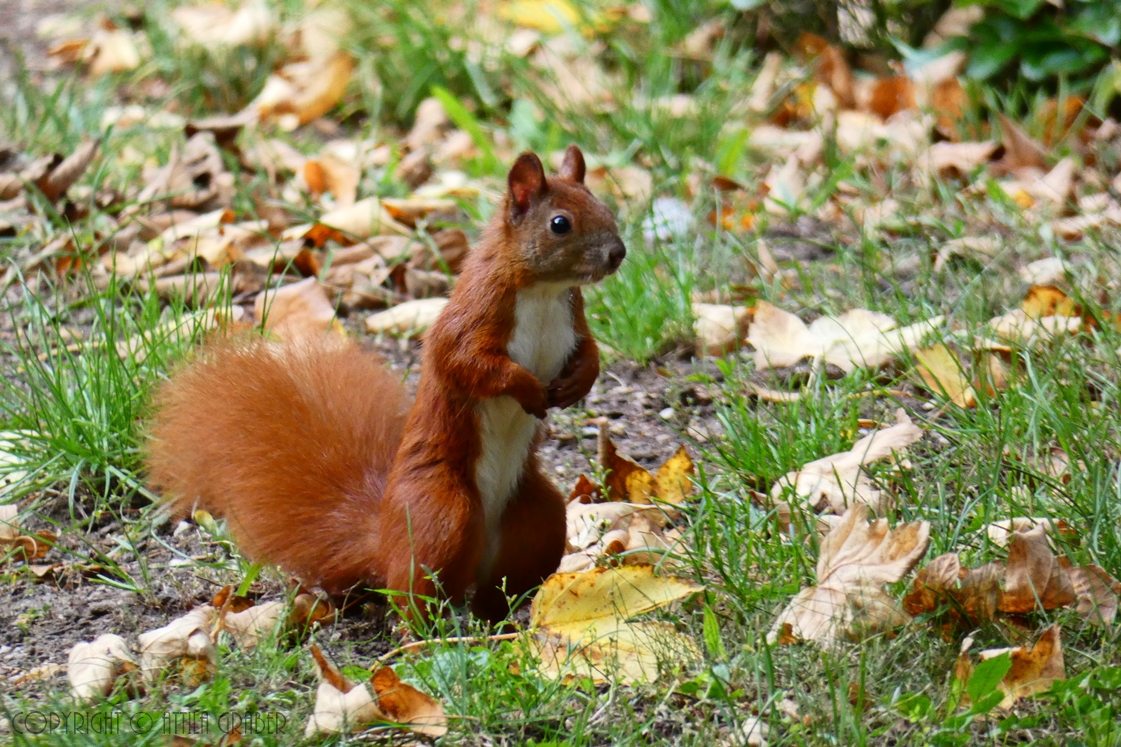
x=942, y=372
x=579, y=624
x=548, y=16
x=673, y=483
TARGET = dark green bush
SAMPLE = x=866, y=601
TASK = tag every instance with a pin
x=1038, y=41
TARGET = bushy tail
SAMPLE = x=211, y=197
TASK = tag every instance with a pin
x=292, y=443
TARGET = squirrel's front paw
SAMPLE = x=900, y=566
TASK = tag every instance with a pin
x=533, y=399
x=573, y=384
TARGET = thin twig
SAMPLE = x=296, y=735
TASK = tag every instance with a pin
x=458, y=639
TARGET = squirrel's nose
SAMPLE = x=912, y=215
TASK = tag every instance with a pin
x=616, y=254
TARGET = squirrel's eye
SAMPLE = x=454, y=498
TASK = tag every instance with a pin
x=560, y=225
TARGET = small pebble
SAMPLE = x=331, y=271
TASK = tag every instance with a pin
x=589, y=431
x=666, y=414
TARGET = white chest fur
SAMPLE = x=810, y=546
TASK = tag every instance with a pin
x=543, y=339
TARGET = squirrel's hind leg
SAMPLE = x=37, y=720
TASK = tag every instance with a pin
x=421, y=537
x=532, y=544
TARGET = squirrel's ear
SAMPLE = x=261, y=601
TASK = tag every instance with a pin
x=573, y=167
x=527, y=181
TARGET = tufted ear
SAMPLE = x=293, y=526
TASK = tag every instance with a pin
x=573, y=167
x=526, y=182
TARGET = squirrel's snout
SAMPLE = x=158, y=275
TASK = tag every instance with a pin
x=616, y=254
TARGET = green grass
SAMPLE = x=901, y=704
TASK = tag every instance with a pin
x=80, y=409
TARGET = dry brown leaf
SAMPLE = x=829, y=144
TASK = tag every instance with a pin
x=341, y=706
x=297, y=310
x=892, y=95
x=858, y=338
x=409, y=318
x=943, y=374
x=184, y=641
x=836, y=482
x=329, y=173
x=302, y=91
x=60, y=178
x=404, y=704
x=253, y=24
x=250, y=625
x=112, y=51
x=196, y=179
x=763, y=87
x=955, y=159
x=857, y=559
x=719, y=328
x=970, y=594
x=31, y=547
x=1020, y=150
x=1033, y=671
x=1034, y=577
x=362, y=220
x=1097, y=594
x=579, y=624
x=94, y=667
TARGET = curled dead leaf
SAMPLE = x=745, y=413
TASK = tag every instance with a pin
x=184, y=641
x=94, y=667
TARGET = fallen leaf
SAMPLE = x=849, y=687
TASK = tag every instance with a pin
x=32, y=547
x=579, y=628
x=1044, y=272
x=857, y=559
x=210, y=24
x=836, y=482
x=943, y=374
x=718, y=328
x=1034, y=578
x=858, y=338
x=62, y=176
x=1033, y=671
x=329, y=173
x=892, y=95
x=184, y=641
x=1097, y=593
x=195, y=179
x=341, y=706
x=971, y=595
x=296, y=310
x=405, y=705
x=362, y=220
x=1020, y=150
x=408, y=319
x=981, y=248
x=302, y=91
x=94, y=667
x=955, y=159
x=112, y=51
x=249, y=626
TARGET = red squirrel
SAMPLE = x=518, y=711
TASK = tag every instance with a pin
x=306, y=448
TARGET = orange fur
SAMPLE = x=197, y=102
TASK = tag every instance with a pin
x=290, y=445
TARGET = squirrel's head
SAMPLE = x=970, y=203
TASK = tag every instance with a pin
x=563, y=232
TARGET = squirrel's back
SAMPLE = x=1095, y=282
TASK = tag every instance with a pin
x=291, y=443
